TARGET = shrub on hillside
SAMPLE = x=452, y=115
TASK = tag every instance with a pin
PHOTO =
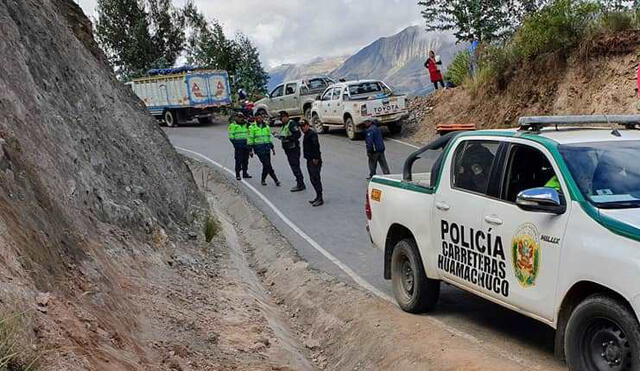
x=618, y=21
x=459, y=69
x=557, y=27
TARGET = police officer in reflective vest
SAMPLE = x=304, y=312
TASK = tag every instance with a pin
x=260, y=140
x=290, y=137
x=239, y=135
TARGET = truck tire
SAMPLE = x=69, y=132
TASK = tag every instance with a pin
x=414, y=292
x=170, y=118
x=350, y=127
x=602, y=334
x=204, y=120
x=317, y=124
x=395, y=128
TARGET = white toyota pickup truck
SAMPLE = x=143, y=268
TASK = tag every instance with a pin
x=349, y=104
x=543, y=220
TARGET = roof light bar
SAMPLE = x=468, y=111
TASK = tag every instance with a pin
x=538, y=122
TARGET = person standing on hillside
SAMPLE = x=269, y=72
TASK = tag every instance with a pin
x=239, y=135
x=311, y=149
x=260, y=139
x=431, y=65
x=290, y=137
x=375, y=148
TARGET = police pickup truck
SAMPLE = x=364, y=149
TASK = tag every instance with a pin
x=349, y=104
x=543, y=220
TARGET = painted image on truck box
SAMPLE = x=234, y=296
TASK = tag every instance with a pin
x=475, y=256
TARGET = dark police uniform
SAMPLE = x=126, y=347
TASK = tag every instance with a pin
x=311, y=149
x=290, y=137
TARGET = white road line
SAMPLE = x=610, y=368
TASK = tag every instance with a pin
x=359, y=280
x=403, y=142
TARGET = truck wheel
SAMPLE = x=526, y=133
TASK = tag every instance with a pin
x=395, y=128
x=317, y=124
x=204, y=120
x=350, y=127
x=170, y=118
x=602, y=334
x=414, y=292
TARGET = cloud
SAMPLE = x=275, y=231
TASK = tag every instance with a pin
x=292, y=31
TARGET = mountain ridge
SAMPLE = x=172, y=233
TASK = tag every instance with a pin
x=397, y=59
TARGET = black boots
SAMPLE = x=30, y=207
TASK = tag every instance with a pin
x=298, y=188
x=318, y=201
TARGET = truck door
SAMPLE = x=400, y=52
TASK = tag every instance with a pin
x=531, y=240
x=276, y=100
x=457, y=215
x=291, y=100
x=336, y=105
x=325, y=105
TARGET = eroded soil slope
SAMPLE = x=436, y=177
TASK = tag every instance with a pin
x=92, y=195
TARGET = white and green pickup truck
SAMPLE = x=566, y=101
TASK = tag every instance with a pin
x=543, y=220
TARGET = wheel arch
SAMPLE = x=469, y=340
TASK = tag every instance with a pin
x=307, y=105
x=574, y=296
x=345, y=116
x=397, y=232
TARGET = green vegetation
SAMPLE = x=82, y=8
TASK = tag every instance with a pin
x=13, y=355
x=138, y=35
x=459, y=69
x=547, y=29
x=211, y=228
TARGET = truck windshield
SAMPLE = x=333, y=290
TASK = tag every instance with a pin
x=607, y=173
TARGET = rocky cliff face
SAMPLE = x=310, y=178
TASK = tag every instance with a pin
x=85, y=174
x=399, y=59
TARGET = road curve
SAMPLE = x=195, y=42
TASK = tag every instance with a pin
x=338, y=228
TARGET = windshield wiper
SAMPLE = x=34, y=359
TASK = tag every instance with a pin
x=618, y=205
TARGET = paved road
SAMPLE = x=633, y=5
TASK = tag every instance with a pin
x=338, y=227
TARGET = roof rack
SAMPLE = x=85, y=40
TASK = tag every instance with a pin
x=535, y=123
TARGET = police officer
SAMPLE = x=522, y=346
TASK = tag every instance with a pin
x=238, y=135
x=260, y=139
x=314, y=160
x=290, y=137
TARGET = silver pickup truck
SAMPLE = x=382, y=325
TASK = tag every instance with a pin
x=294, y=97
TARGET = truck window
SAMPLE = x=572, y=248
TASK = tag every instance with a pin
x=327, y=95
x=368, y=88
x=336, y=93
x=527, y=168
x=316, y=84
x=290, y=89
x=277, y=92
x=472, y=165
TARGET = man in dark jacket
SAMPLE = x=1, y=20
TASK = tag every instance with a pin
x=375, y=148
x=290, y=137
x=311, y=149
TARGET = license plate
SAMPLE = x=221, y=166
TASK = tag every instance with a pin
x=386, y=109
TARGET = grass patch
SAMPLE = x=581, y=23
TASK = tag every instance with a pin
x=459, y=69
x=211, y=228
x=14, y=355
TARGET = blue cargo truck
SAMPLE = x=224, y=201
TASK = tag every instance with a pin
x=180, y=95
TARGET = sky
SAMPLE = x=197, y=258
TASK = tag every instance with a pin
x=294, y=31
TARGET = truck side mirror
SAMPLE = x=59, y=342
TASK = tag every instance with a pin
x=543, y=200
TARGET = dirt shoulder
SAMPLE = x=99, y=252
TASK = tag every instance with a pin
x=332, y=324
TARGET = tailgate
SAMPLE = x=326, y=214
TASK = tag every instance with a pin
x=387, y=106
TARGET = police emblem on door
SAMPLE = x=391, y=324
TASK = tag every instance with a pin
x=526, y=254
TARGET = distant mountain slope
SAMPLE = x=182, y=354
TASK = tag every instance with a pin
x=318, y=66
x=399, y=59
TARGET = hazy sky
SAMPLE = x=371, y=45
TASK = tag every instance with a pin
x=291, y=31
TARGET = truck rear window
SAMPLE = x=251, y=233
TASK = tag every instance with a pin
x=369, y=88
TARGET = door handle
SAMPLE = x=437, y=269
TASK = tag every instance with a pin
x=442, y=206
x=493, y=220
